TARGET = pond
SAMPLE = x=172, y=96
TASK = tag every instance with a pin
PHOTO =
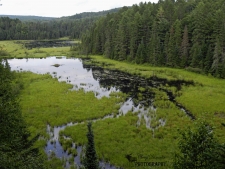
x=89, y=77
x=69, y=70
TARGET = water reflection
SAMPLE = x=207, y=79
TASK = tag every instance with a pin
x=70, y=70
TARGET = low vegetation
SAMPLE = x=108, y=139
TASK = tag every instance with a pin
x=46, y=101
x=16, y=49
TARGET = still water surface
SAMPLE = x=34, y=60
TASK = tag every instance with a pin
x=69, y=70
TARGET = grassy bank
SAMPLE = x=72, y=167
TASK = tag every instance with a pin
x=16, y=49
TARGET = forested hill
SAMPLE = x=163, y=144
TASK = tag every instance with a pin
x=83, y=15
x=183, y=33
x=14, y=29
x=34, y=27
x=28, y=18
x=92, y=14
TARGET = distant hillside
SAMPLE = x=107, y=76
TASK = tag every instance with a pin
x=29, y=18
x=85, y=15
x=36, y=27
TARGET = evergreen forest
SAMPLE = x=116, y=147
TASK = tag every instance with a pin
x=186, y=34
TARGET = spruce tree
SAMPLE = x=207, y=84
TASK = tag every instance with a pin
x=90, y=161
x=185, y=48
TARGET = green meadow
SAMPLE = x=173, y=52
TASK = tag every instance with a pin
x=44, y=101
x=16, y=49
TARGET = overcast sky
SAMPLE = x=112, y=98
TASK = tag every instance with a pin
x=58, y=8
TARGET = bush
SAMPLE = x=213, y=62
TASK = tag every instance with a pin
x=198, y=149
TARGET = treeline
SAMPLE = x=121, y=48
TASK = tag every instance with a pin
x=14, y=29
x=29, y=18
x=36, y=28
x=183, y=33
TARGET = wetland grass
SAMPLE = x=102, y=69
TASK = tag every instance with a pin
x=44, y=101
x=204, y=99
x=115, y=138
x=16, y=49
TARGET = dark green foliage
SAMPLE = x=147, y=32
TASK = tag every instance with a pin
x=199, y=149
x=90, y=161
x=35, y=27
x=173, y=33
x=16, y=149
x=14, y=29
x=184, y=55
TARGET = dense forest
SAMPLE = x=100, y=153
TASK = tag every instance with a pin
x=183, y=33
x=14, y=29
x=36, y=28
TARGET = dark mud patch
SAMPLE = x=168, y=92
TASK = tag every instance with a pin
x=181, y=107
x=220, y=114
x=47, y=44
x=56, y=65
x=139, y=89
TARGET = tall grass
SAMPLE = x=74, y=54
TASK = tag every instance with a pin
x=45, y=101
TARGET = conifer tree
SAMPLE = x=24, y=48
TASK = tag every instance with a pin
x=141, y=55
x=171, y=49
x=208, y=60
x=90, y=161
x=217, y=59
x=185, y=48
x=154, y=46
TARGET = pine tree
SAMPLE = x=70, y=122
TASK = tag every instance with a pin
x=90, y=161
x=185, y=48
x=196, y=53
x=177, y=39
x=171, y=60
x=208, y=60
x=154, y=46
x=141, y=54
x=217, y=59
